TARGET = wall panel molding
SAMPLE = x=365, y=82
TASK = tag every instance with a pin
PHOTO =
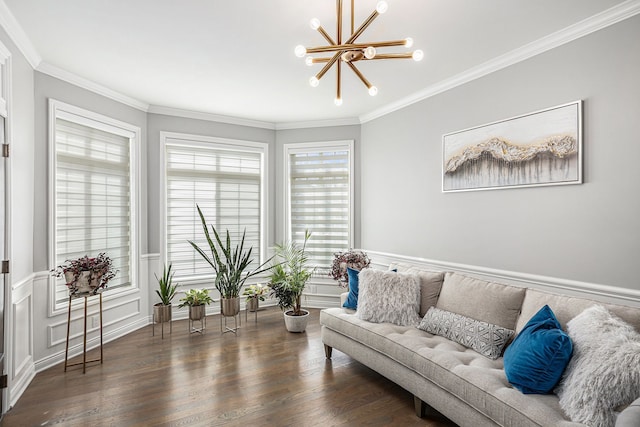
x=604, y=293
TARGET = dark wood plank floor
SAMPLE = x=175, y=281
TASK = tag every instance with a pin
x=264, y=376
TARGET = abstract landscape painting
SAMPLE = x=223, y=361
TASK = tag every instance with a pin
x=540, y=148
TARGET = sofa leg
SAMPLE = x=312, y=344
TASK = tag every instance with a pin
x=420, y=406
x=327, y=351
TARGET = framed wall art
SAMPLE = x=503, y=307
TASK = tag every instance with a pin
x=534, y=149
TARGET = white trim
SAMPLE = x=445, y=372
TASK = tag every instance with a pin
x=94, y=342
x=99, y=121
x=19, y=37
x=605, y=293
x=347, y=121
x=91, y=86
x=580, y=29
x=211, y=117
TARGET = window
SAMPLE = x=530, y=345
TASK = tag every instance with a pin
x=226, y=179
x=319, y=197
x=92, y=189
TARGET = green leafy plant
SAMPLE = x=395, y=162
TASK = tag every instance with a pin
x=195, y=297
x=101, y=268
x=289, y=276
x=167, y=290
x=256, y=291
x=228, y=263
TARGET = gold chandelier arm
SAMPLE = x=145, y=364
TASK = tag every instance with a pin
x=339, y=23
x=352, y=46
x=363, y=27
x=328, y=65
x=408, y=55
x=352, y=15
x=359, y=74
x=338, y=73
x=326, y=36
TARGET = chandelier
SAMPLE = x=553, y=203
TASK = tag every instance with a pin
x=351, y=51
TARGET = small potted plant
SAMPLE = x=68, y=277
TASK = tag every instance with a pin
x=354, y=259
x=166, y=292
x=196, y=300
x=86, y=276
x=255, y=294
x=288, y=279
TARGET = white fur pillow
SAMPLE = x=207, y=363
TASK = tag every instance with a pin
x=386, y=296
x=604, y=371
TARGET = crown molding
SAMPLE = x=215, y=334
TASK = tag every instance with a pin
x=573, y=32
x=89, y=85
x=169, y=111
x=19, y=37
x=348, y=121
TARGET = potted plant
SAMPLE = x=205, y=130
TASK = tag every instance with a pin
x=341, y=260
x=230, y=266
x=166, y=291
x=287, y=282
x=196, y=300
x=255, y=294
x=86, y=276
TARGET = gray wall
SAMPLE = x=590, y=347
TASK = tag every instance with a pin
x=587, y=232
x=337, y=133
x=50, y=87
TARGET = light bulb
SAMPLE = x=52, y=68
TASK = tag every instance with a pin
x=418, y=55
x=308, y=60
x=338, y=101
x=370, y=52
x=300, y=51
x=408, y=42
x=373, y=91
x=314, y=23
x=314, y=82
x=382, y=7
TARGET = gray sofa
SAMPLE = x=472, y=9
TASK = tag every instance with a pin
x=457, y=382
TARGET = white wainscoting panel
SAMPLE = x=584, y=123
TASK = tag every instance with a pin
x=607, y=294
x=21, y=365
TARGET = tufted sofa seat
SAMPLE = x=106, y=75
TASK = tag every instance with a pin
x=463, y=385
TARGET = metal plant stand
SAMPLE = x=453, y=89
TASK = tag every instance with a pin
x=197, y=314
x=230, y=306
x=84, y=348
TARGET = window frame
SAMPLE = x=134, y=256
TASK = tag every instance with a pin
x=315, y=147
x=203, y=141
x=72, y=113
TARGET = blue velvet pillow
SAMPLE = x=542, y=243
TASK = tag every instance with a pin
x=352, y=298
x=536, y=359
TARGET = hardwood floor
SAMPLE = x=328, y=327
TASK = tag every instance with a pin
x=264, y=376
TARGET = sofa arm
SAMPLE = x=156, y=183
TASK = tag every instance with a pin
x=630, y=417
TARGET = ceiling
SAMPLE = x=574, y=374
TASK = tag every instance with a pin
x=235, y=57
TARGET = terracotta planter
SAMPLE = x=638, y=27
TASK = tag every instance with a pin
x=296, y=323
x=161, y=313
x=229, y=306
x=253, y=304
x=197, y=312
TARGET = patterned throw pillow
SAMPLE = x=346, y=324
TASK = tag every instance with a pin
x=483, y=337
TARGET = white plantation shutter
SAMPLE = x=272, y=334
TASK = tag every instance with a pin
x=320, y=192
x=226, y=183
x=92, y=198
